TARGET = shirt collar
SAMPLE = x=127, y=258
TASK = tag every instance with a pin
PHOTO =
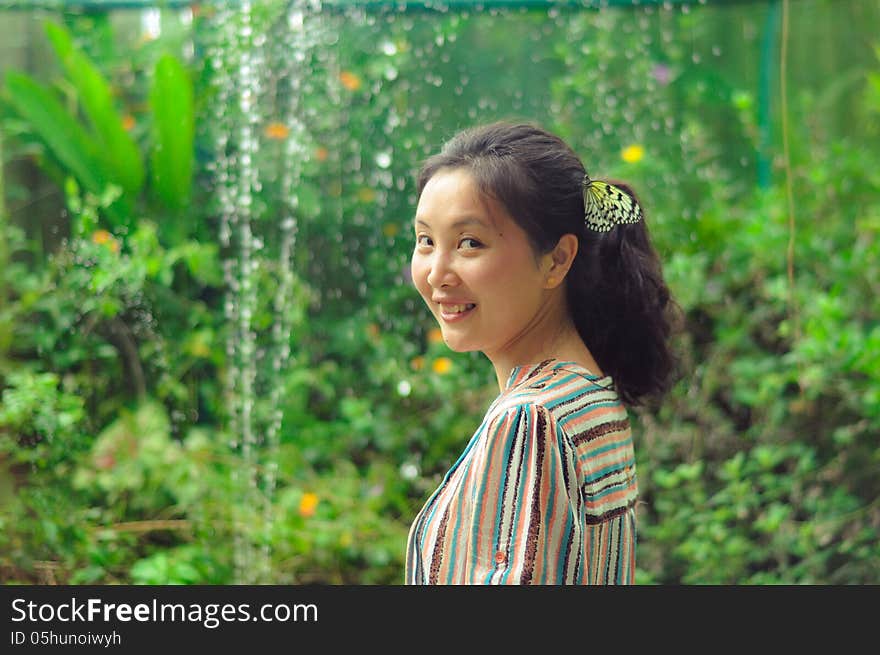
x=525, y=372
x=520, y=374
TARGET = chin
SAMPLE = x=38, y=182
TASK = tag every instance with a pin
x=458, y=345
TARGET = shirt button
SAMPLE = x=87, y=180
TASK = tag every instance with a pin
x=500, y=557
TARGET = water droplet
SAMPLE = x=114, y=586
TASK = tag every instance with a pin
x=383, y=159
x=409, y=471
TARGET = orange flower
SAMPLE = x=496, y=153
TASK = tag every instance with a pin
x=128, y=122
x=321, y=153
x=307, y=504
x=350, y=81
x=104, y=238
x=276, y=131
x=442, y=365
x=417, y=363
x=199, y=10
x=373, y=331
x=101, y=236
x=435, y=335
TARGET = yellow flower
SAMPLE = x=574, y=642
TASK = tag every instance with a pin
x=200, y=349
x=632, y=154
x=104, y=238
x=366, y=194
x=417, y=363
x=350, y=81
x=128, y=122
x=198, y=345
x=277, y=131
x=435, y=335
x=442, y=365
x=390, y=229
x=307, y=504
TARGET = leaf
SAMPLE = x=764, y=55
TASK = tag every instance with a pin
x=65, y=138
x=171, y=99
x=202, y=260
x=115, y=145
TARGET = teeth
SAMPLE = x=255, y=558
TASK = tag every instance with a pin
x=457, y=309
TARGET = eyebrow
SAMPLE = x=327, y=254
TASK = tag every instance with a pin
x=467, y=220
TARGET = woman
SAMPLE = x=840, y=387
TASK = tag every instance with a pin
x=520, y=255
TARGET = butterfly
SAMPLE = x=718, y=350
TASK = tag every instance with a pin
x=607, y=205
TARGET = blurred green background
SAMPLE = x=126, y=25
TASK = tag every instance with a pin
x=214, y=368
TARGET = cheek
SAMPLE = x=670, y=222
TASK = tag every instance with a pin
x=508, y=284
x=419, y=275
x=492, y=278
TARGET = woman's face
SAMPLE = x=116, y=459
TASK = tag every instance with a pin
x=474, y=267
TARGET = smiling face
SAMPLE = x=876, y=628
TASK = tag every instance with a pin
x=476, y=270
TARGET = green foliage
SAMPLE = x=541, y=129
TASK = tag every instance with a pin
x=43, y=418
x=171, y=99
x=119, y=152
x=133, y=461
x=66, y=139
x=85, y=135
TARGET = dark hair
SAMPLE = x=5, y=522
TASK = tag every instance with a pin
x=615, y=290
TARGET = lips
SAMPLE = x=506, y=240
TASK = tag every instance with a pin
x=450, y=312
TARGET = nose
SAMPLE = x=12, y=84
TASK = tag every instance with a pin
x=441, y=273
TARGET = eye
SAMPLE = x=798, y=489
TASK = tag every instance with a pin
x=473, y=243
x=423, y=240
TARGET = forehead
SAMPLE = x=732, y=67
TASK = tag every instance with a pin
x=452, y=196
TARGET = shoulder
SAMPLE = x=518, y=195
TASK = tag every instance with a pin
x=568, y=399
x=521, y=424
x=514, y=414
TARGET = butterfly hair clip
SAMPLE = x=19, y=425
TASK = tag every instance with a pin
x=607, y=205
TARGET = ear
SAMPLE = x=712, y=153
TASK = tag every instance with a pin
x=558, y=261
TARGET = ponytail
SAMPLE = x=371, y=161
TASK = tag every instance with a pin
x=623, y=309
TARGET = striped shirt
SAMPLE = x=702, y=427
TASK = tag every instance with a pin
x=544, y=492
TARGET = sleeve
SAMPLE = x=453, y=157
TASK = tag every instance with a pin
x=610, y=548
x=523, y=527
x=609, y=490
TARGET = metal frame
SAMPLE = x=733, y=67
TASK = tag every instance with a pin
x=332, y=5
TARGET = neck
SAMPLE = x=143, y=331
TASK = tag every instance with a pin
x=552, y=335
